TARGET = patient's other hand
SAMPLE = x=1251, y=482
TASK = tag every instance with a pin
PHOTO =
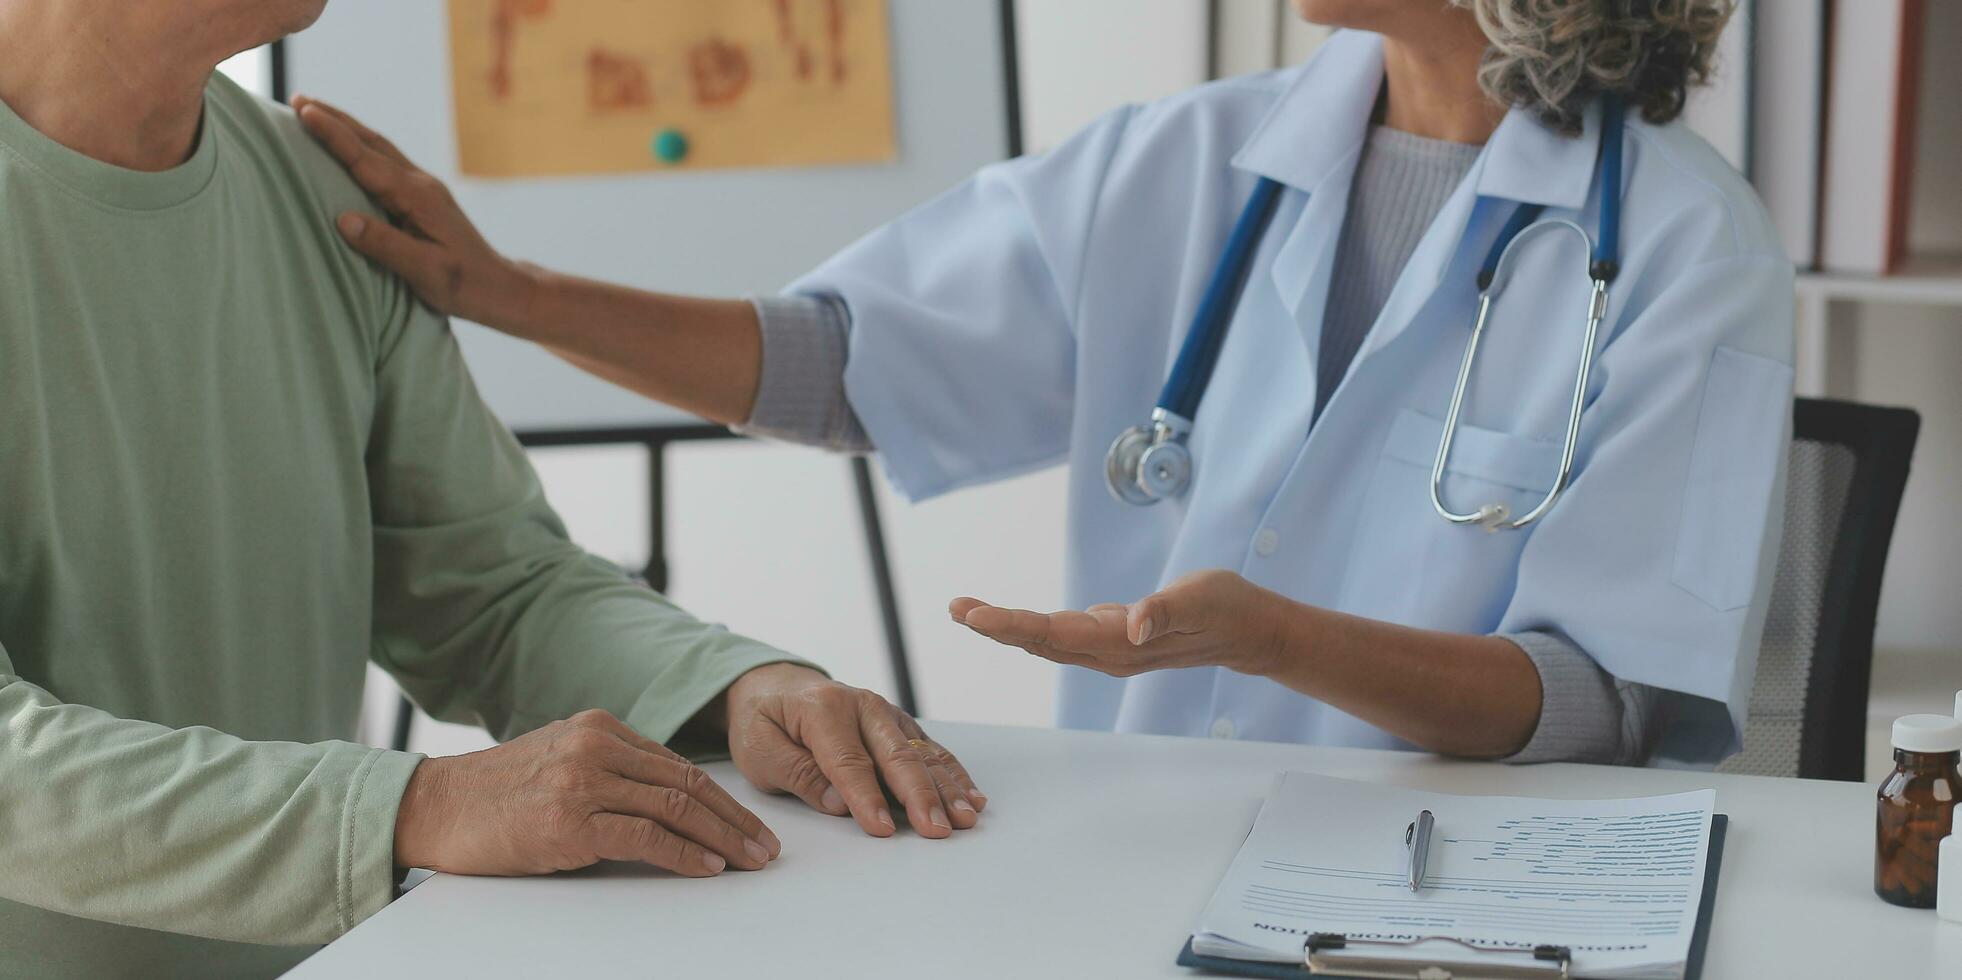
x=571, y=794
x=839, y=748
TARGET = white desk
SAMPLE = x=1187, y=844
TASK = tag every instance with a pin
x=1094, y=859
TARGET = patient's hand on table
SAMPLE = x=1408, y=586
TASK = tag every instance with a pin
x=794, y=730
x=571, y=794
x=592, y=789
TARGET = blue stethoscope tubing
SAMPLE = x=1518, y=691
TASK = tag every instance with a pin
x=1151, y=462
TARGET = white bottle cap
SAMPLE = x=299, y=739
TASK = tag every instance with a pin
x=1928, y=733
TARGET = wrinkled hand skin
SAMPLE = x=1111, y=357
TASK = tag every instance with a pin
x=592, y=789
x=428, y=241
x=1206, y=619
x=571, y=794
x=793, y=730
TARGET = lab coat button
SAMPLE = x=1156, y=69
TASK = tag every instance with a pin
x=1223, y=728
x=1267, y=542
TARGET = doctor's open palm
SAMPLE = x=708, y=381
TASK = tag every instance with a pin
x=1206, y=619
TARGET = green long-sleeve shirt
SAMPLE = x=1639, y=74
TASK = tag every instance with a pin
x=236, y=462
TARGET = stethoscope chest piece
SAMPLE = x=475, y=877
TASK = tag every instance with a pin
x=1149, y=463
x=1166, y=469
x=1123, y=463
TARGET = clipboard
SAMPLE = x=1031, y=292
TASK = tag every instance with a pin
x=1549, y=963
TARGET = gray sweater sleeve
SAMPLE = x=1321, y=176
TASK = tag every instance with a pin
x=801, y=395
x=1586, y=714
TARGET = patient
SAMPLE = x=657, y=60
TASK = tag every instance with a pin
x=237, y=462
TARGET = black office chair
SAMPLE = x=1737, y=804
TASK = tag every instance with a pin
x=1808, y=714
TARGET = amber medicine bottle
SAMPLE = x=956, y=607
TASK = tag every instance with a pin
x=1916, y=808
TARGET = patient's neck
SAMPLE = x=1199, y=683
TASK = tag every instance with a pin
x=112, y=79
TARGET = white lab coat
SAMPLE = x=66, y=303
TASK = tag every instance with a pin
x=1027, y=317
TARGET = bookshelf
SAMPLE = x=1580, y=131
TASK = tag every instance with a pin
x=1930, y=281
x=1933, y=280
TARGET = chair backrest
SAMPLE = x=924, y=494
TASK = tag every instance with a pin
x=1808, y=714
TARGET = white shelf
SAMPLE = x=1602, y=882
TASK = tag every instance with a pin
x=1930, y=281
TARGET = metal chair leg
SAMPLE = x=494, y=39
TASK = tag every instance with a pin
x=875, y=547
x=405, y=720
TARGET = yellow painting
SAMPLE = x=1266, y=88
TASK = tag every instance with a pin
x=558, y=87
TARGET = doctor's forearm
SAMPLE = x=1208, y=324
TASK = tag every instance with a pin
x=702, y=356
x=1454, y=694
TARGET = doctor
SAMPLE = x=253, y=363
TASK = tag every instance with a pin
x=1321, y=236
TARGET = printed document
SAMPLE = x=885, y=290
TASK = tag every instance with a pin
x=1617, y=881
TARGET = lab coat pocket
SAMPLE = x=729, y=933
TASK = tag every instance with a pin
x=1733, y=465
x=1410, y=566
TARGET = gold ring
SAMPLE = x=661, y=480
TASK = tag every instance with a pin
x=918, y=743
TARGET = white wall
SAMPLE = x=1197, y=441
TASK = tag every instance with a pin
x=1900, y=355
x=252, y=70
x=1083, y=57
x=766, y=538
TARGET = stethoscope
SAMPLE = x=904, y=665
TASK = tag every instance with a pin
x=1149, y=463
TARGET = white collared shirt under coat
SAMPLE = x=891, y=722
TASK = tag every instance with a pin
x=1028, y=316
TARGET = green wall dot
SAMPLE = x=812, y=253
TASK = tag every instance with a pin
x=670, y=146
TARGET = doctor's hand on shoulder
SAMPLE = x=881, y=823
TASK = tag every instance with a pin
x=704, y=358
x=591, y=788
x=432, y=245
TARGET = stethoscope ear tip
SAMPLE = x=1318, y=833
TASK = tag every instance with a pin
x=1494, y=517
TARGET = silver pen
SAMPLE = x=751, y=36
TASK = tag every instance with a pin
x=1417, y=839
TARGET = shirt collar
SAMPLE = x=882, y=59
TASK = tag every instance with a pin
x=1530, y=162
x=1323, y=118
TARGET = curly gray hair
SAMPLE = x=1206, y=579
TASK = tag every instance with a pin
x=1554, y=57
